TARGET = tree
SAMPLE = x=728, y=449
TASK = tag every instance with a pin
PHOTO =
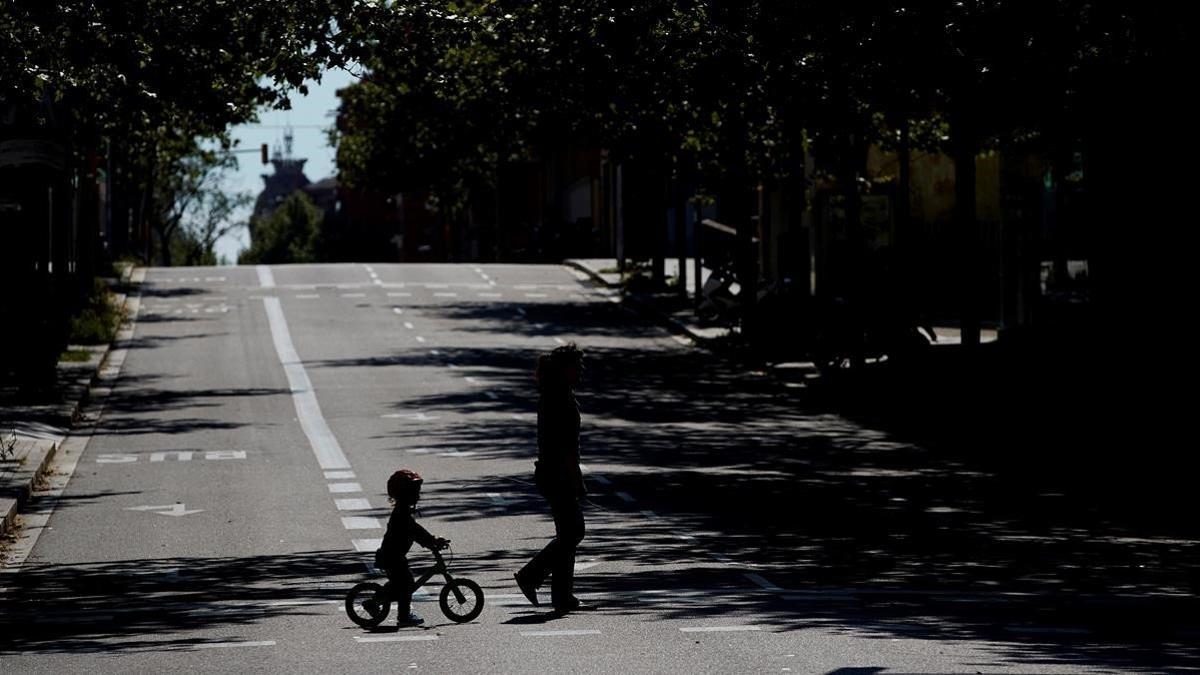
x=288, y=235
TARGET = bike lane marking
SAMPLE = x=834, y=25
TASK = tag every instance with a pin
x=320, y=437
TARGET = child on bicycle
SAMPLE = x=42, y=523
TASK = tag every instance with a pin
x=404, y=490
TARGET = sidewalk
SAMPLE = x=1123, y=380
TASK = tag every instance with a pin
x=669, y=307
x=31, y=431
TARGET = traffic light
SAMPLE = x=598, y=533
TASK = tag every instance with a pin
x=263, y=148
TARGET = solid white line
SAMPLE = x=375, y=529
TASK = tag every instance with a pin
x=360, y=523
x=758, y=579
x=265, y=278
x=339, y=475
x=554, y=633
x=342, y=488
x=324, y=444
x=225, y=645
x=353, y=504
x=718, y=629
x=366, y=545
x=395, y=638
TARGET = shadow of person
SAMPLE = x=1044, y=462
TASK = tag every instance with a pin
x=532, y=618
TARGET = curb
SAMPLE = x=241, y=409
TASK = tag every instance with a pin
x=11, y=505
x=677, y=326
x=18, y=493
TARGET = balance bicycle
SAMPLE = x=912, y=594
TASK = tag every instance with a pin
x=461, y=600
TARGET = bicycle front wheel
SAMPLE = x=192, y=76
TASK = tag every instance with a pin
x=461, y=600
x=367, y=605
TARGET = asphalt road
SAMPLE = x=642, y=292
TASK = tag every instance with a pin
x=233, y=490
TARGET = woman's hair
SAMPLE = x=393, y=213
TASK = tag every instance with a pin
x=551, y=366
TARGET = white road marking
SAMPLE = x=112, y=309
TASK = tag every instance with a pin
x=354, y=295
x=452, y=366
x=324, y=444
x=472, y=380
x=437, y=285
x=367, y=545
x=457, y=453
x=420, y=339
x=226, y=645
x=180, y=455
x=360, y=523
x=408, y=325
x=339, y=475
x=420, y=451
x=353, y=504
x=342, y=488
x=490, y=295
x=448, y=294
x=536, y=295
x=560, y=340
x=682, y=340
x=763, y=583
x=557, y=633
x=419, y=416
x=399, y=295
x=397, y=310
x=265, y=278
x=434, y=352
x=176, y=510
x=626, y=497
x=580, y=566
x=718, y=629
x=396, y=638
x=307, y=296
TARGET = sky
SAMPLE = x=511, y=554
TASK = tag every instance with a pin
x=309, y=117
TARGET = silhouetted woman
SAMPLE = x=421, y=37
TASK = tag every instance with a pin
x=558, y=478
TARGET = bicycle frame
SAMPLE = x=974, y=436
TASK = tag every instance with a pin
x=439, y=567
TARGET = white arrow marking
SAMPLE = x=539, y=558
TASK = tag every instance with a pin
x=166, y=510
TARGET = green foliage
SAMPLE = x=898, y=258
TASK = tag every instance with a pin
x=98, y=320
x=288, y=235
x=75, y=356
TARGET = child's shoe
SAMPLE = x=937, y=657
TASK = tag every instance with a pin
x=409, y=620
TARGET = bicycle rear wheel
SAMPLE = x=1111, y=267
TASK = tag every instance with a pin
x=367, y=605
x=461, y=600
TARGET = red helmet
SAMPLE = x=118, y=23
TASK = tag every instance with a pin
x=404, y=486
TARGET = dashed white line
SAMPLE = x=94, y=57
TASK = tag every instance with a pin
x=360, y=523
x=227, y=645
x=396, y=638
x=342, y=488
x=353, y=504
x=718, y=629
x=762, y=582
x=366, y=545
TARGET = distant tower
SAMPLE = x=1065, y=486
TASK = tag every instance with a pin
x=288, y=177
